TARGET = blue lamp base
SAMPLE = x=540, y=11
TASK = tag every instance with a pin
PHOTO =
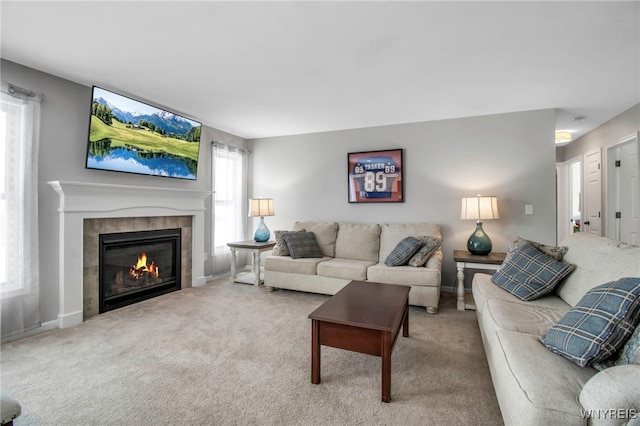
x=479, y=242
x=262, y=233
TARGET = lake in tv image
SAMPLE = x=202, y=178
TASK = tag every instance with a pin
x=126, y=135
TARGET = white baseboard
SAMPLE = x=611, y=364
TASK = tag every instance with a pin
x=47, y=326
x=70, y=320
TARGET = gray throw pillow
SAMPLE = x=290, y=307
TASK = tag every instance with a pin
x=530, y=274
x=403, y=251
x=429, y=246
x=557, y=252
x=302, y=244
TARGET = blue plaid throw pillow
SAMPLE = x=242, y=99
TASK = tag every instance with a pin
x=403, y=252
x=530, y=274
x=302, y=244
x=599, y=325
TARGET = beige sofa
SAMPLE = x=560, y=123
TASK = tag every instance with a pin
x=535, y=386
x=355, y=251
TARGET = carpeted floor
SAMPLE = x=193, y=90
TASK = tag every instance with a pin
x=236, y=354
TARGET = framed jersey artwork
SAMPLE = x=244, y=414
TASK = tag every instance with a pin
x=376, y=176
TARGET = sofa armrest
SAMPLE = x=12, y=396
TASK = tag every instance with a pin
x=612, y=396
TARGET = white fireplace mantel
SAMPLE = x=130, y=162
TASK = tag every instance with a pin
x=82, y=200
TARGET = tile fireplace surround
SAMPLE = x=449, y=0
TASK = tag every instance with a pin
x=85, y=207
x=90, y=251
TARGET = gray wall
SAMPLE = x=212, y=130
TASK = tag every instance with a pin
x=612, y=131
x=64, y=130
x=510, y=155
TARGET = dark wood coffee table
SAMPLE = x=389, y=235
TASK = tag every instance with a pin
x=363, y=317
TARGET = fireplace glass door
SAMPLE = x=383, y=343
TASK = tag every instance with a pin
x=135, y=266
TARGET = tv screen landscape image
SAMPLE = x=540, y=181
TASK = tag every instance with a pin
x=126, y=135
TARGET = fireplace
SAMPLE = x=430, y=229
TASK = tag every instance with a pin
x=89, y=209
x=134, y=266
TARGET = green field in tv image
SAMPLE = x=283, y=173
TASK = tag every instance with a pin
x=129, y=136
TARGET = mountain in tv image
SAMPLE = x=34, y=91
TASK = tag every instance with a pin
x=167, y=121
x=130, y=136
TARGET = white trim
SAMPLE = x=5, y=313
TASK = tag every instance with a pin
x=47, y=326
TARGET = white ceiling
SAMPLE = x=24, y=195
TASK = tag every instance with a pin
x=258, y=69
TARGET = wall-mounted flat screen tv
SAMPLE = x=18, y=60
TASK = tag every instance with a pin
x=126, y=135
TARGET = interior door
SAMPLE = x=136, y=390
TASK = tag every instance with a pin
x=592, y=215
x=624, y=191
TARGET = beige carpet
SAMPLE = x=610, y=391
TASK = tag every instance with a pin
x=237, y=354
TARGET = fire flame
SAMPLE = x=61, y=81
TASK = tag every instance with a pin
x=142, y=267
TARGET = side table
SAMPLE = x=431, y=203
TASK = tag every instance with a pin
x=463, y=260
x=255, y=248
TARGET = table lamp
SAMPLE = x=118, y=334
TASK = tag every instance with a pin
x=261, y=207
x=479, y=208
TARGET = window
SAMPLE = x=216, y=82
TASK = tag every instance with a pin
x=4, y=281
x=13, y=153
x=19, y=277
x=229, y=184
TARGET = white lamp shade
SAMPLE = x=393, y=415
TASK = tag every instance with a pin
x=261, y=207
x=479, y=208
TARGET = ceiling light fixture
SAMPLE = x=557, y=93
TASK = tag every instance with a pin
x=563, y=136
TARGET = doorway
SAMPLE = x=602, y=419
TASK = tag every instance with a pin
x=569, y=192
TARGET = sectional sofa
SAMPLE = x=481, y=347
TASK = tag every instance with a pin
x=536, y=386
x=356, y=251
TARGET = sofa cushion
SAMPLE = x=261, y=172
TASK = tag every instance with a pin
x=535, y=386
x=599, y=325
x=530, y=273
x=308, y=266
x=325, y=233
x=403, y=251
x=428, y=247
x=407, y=275
x=392, y=233
x=358, y=241
x=347, y=269
x=598, y=260
x=557, y=252
x=302, y=244
x=522, y=317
